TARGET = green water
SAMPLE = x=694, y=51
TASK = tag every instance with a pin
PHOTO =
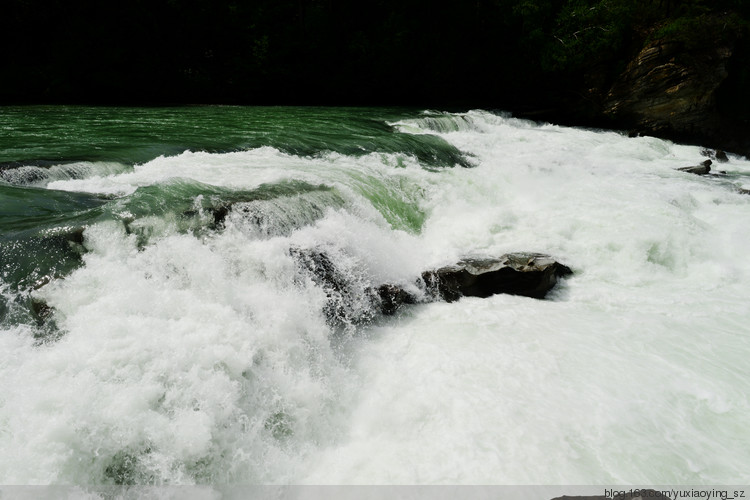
x=160, y=323
x=41, y=228
x=51, y=134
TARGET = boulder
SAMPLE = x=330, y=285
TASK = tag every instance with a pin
x=528, y=274
x=662, y=92
x=389, y=298
x=672, y=87
x=717, y=155
x=351, y=301
x=702, y=169
x=320, y=268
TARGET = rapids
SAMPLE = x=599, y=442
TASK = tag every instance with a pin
x=175, y=348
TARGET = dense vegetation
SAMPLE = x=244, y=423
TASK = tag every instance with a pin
x=505, y=53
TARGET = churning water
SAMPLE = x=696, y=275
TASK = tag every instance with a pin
x=156, y=328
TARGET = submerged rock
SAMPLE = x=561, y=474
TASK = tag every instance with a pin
x=702, y=169
x=128, y=467
x=527, y=274
x=9, y=165
x=40, y=310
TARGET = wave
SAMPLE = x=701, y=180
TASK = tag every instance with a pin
x=34, y=174
x=193, y=341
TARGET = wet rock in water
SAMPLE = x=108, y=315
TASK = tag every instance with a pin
x=40, y=310
x=348, y=299
x=43, y=315
x=390, y=298
x=351, y=300
x=702, y=169
x=320, y=268
x=527, y=274
x=219, y=215
x=717, y=154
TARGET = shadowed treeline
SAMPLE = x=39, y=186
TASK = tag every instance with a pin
x=504, y=53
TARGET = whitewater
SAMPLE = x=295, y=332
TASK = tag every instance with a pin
x=179, y=349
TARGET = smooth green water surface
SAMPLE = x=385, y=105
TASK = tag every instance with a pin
x=50, y=134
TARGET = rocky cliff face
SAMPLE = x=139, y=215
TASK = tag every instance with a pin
x=670, y=88
x=666, y=90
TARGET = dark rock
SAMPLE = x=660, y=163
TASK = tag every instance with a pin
x=40, y=310
x=390, y=298
x=672, y=87
x=272, y=209
x=717, y=155
x=43, y=315
x=352, y=301
x=662, y=91
x=76, y=235
x=349, y=300
x=744, y=191
x=320, y=268
x=219, y=214
x=702, y=169
x=528, y=274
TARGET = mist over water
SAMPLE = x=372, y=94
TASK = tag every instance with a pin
x=178, y=346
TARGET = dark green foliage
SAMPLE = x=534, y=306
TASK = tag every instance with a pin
x=587, y=32
x=417, y=52
x=694, y=30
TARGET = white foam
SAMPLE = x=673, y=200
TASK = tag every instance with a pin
x=42, y=176
x=636, y=371
x=208, y=359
